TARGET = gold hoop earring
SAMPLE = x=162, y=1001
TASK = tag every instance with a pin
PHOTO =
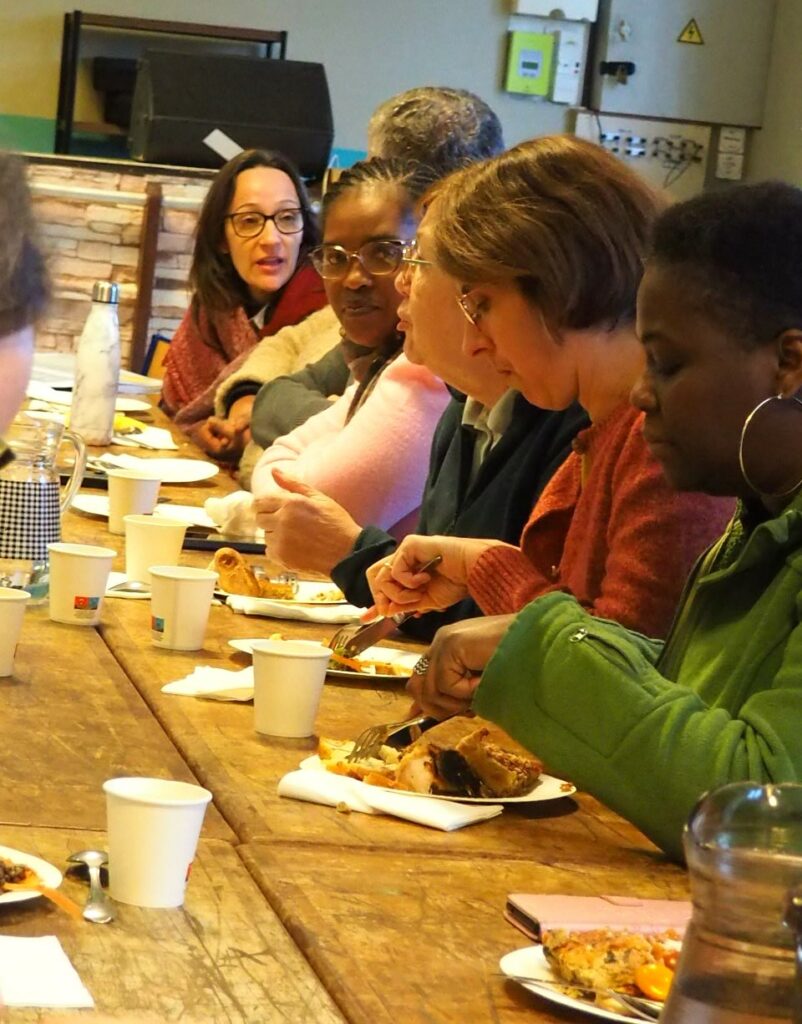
x=744, y=429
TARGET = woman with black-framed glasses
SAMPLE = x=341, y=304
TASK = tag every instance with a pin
x=250, y=278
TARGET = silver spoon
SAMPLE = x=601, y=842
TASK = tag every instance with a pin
x=97, y=909
x=131, y=587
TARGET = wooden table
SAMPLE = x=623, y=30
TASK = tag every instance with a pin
x=389, y=920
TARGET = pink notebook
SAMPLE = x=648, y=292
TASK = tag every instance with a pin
x=532, y=912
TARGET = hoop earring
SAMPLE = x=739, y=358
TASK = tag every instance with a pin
x=744, y=428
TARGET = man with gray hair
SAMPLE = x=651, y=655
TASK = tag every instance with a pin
x=436, y=125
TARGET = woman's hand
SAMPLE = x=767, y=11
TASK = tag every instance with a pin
x=224, y=438
x=305, y=530
x=454, y=665
x=398, y=585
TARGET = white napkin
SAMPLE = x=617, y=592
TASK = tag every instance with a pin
x=322, y=787
x=37, y=972
x=215, y=684
x=327, y=613
x=234, y=515
x=151, y=437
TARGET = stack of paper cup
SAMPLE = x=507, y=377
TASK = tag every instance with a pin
x=12, y=610
x=153, y=828
x=151, y=540
x=288, y=677
x=180, y=599
x=78, y=577
x=131, y=492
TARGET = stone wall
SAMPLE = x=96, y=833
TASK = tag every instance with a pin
x=89, y=235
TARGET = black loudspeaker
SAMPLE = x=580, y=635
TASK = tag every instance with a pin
x=260, y=103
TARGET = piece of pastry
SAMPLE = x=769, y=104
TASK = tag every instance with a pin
x=235, y=576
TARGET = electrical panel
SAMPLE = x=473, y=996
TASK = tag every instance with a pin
x=565, y=10
x=670, y=155
x=685, y=60
x=567, y=58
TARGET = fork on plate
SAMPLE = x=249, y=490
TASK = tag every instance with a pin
x=369, y=741
x=640, y=1007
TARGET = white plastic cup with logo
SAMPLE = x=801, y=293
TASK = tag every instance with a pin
x=288, y=677
x=12, y=611
x=78, y=577
x=131, y=492
x=151, y=540
x=180, y=599
x=153, y=828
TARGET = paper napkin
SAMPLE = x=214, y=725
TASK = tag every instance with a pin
x=151, y=437
x=322, y=787
x=37, y=972
x=326, y=613
x=215, y=684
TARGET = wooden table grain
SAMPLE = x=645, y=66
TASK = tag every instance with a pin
x=224, y=957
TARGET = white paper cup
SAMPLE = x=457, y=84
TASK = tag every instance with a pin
x=131, y=492
x=78, y=577
x=153, y=827
x=288, y=677
x=180, y=599
x=12, y=610
x=151, y=540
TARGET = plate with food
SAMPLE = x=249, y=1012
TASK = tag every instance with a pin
x=235, y=576
x=16, y=866
x=375, y=664
x=583, y=970
x=465, y=759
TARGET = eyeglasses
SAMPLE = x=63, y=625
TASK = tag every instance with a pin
x=473, y=309
x=380, y=257
x=250, y=223
x=411, y=255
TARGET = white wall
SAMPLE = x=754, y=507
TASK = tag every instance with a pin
x=371, y=49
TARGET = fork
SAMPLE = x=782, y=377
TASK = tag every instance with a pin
x=638, y=1006
x=353, y=639
x=370, y=740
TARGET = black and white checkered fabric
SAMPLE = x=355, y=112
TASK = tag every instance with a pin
x=30, y=518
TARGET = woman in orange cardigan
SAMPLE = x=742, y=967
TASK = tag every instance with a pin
x=546, y=245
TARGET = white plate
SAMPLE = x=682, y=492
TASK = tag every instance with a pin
x=43, y=393
x=48, y=873
x=92, y=504
x=306, y=593
x=192, y=515
x=116, y=578
x=546, y=788
x=391, y=654
x=531, y=962
x=171, y=471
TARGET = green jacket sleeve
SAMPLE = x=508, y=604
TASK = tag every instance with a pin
x=584, y=694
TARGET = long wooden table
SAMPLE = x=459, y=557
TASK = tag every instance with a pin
x=295, y=912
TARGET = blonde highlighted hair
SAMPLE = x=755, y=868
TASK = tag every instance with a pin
x=562, y=218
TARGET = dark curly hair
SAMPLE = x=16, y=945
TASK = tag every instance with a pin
x=24, y=286
x=213, y=279
x=410, y=178
x=739, y=252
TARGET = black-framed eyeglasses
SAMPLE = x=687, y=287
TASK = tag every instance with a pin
x=250, y=223
x=472, y=308
x=412, y=256
x=379, y=257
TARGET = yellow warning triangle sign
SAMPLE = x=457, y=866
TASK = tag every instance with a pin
x=691, y=34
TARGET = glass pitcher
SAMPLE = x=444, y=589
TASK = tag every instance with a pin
x=30, y=502
x=743, y=843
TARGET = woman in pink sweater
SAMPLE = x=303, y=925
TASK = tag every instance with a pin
x=548, y=289
x=370, y=450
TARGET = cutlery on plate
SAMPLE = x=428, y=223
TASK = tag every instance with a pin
x=97, y=909
x=368, y=743
x=642, y=1008
x=352, y=640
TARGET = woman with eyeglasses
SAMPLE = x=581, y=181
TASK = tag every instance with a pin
x=250, y=278
x=545, y=247
x=369, y=450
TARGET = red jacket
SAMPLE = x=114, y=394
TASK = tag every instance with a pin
x=622, y=542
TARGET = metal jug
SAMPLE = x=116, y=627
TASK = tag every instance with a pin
x=743, y=844
x=30, y=500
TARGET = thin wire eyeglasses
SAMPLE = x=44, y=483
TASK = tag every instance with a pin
x=410, y=255
x=250, y=223
x=472, y=310
x=379, y=257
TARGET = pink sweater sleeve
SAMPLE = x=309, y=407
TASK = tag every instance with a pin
x=375, y=465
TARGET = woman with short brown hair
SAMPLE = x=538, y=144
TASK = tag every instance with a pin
x=546, y=246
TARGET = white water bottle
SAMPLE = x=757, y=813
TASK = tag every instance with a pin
x=97, y=368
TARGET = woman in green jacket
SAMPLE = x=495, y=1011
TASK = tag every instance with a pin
x=648, y=727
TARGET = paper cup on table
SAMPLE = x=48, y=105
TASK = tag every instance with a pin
x=12, y=610
x=180, y=599
x=288, y=677
x=151, y=540
x=153, y=827
x=78, y=577
x=131, y=492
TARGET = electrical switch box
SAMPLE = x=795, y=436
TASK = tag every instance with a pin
x=566, y=10
x=694, y=60
x=529, y=63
